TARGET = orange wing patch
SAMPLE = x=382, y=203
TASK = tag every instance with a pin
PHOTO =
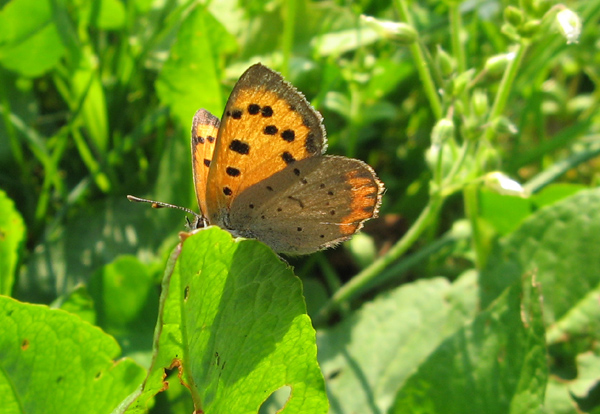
x=267, y=125
x=366, y=198
x=205, y=129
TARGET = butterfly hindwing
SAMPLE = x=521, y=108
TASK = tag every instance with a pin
x=310, y=205
x=205, y=128
x=267, y=125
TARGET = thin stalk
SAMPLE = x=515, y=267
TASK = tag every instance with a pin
x=504, y=90
x=421, y=63
x=471, y=200
x=559, y=168
x=331, y=277
x=457, y=44
x=89, y=160
x=351, y=289
x=400, y=268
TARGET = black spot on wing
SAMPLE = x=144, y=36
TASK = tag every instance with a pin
x=270, y=130
x=239, y=146
x=288, y=135
x=253, y=109
x=266, y=111
x=232, y=172
x=311, y=144
x=287, y=157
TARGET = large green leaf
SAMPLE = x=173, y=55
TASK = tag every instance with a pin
x=496, y=364
x=368, y=357
x=235, y=320
x=503, y=212
x=12, y=235
x=560, y=243
x=54, y=362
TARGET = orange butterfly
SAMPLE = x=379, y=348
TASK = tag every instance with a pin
x=262, y=174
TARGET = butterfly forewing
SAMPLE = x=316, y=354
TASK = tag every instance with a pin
x=267, y=126
x=205, y=129
x=310, y=205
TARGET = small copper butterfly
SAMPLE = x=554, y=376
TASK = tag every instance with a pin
x=260, y=173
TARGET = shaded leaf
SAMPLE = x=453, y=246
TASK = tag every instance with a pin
x=560, y=243
x=496, y=364
x=367, y=358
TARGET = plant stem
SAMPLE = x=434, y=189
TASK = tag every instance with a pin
x=456, y=234
x=89, y=160
x=421, y=63
x=457, y=45
x=591, y=150
x=471, y=200
x=357, y=284
x=504, y=90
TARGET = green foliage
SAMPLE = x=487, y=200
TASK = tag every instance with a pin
x=558, y=241
x=388, y=339
x=12, y=231
x=52, y=361
x=500, y=356
x=435, y=307
x=244, y=327
x=192, y=65
x=235, y=321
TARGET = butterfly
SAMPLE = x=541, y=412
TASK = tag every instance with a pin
x=261, y=171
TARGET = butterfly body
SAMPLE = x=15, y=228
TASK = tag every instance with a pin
x=261, y=173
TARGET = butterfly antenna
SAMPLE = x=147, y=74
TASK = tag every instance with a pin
x=160, y=204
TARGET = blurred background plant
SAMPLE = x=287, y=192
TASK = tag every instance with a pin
x=475, y=114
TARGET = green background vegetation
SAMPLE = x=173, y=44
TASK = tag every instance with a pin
x=464, y=296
